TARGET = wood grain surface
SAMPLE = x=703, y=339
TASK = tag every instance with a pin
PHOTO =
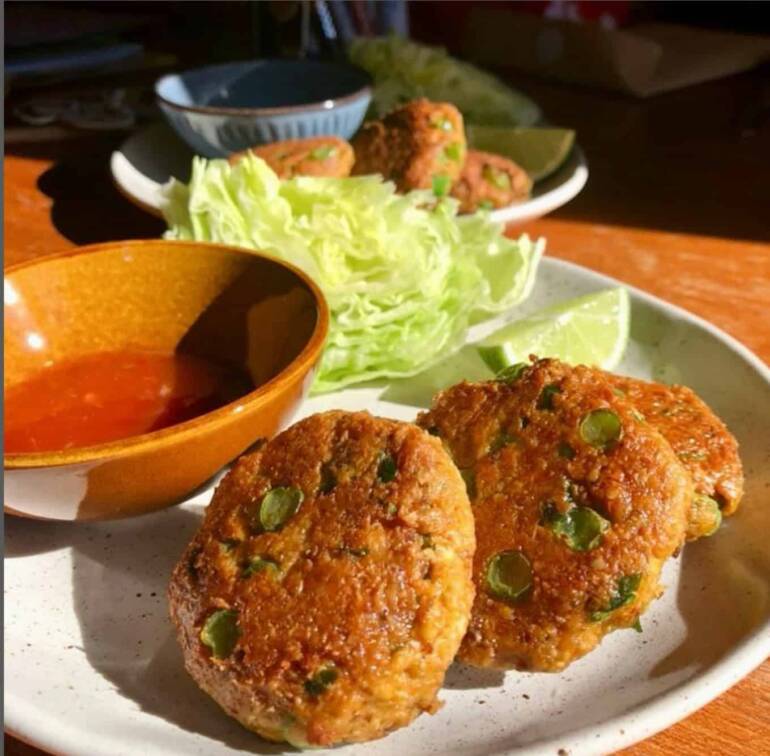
x=677, y=204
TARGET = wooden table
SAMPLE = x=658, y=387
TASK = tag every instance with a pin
x=678, y=204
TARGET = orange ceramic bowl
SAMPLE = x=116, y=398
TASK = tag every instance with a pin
x=211, y=301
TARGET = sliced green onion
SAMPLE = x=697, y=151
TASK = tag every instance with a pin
x=323, y=152
x=258, y=564
x=601, y=428
x=625, y=593
x=496, y=177
x=277, y=506
x=321, y=680
x=580, y=527
x=511, y=373
x=509, y=575
x=220, y=632
x=545, y=400
x=454, y=151
x=441, y=185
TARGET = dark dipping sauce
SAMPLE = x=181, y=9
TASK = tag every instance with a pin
x=109, y=396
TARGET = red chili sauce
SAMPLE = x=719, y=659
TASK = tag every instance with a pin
x=108, y=396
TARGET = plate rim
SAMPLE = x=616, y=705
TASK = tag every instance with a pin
x=124, y=174
x=658, y=713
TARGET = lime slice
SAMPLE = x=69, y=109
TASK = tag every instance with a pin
x=589, y=330
x=538, y=151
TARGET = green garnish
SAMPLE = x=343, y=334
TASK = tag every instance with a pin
x=454, y=151
x=258, y=564
x=220, y=632
x=601, y=428
x=323, y=152
x=496, y=177
x=321, y=680
x=545, y=400
x=441, y=122
x=624, y=594
x=441, y=185
x=565, y=451
x=580, y=527
x=509, y=575
x=486, y=205
x=277, y=506
x=706, y=510
x=637, y=625
x=387, y=468
x=328, y=479
x=511, y=373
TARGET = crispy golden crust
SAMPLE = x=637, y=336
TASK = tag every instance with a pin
x=372, y=578
x=489, y=181
x=412, y=145
x=698, y=437
x=524, y=460
x=327, y=156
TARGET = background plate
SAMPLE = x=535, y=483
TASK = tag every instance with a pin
x=92, y=666
x=150, y=157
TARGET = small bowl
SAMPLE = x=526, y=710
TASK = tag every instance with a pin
x=222, y=109
x=207, y=300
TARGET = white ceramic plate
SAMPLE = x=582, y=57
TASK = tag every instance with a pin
x=150, y=157
x=92, y=667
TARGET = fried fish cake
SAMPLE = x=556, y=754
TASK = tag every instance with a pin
x=420, y=145
x=577, y=505
x=329, y=586
x=327, y=156
x=489, y=181
x=701, y=441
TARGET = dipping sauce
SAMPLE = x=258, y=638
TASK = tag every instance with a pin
x=108, y=396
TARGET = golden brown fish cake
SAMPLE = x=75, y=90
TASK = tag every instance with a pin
x=326, y=156
x=489, y=181
x=577, y=505
x=701, y=441
x=420, y=145
x=329, y=615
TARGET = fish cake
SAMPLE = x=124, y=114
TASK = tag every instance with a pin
x=577, y=505
x=329, y=586
x=701, y=441
x=490, y=181
x=420, y=145
x=325, y=156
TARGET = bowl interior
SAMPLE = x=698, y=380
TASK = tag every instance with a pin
x=262, y=84
x=232, y=308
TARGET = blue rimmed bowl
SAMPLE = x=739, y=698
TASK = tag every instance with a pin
x=225, y=108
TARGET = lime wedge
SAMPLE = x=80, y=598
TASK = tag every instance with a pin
x=589, y=330
x=539, y=152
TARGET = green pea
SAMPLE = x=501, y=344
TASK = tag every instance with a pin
x=601, y=428
x=565, y=451
x=321, y=680
x=277, y=506
x=454, y=151
x=496, y=177
x=387, y=468
x=624, y=594
x=441, y=185
x=258, y=564
x=323, y=152
x=220, y=632
x=580, y=527
x=545, y=400
x=509, y=575
x=440, y=122
x=511, y=373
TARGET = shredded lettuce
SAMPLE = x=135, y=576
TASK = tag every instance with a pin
x=403, y=275
x=403, y=70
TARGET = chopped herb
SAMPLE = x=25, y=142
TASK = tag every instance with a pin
x=496, y=177
x=511, y=373
x=258, y=564
x=486, y=205
x=454, y=151
x=321, y=680
x=441, y=185
x=545, y=400
x=637, y=625
x=580, y=527
x=625, y=593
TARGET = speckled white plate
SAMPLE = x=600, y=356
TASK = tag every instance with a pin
x=150, y=157
x=92, y=667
